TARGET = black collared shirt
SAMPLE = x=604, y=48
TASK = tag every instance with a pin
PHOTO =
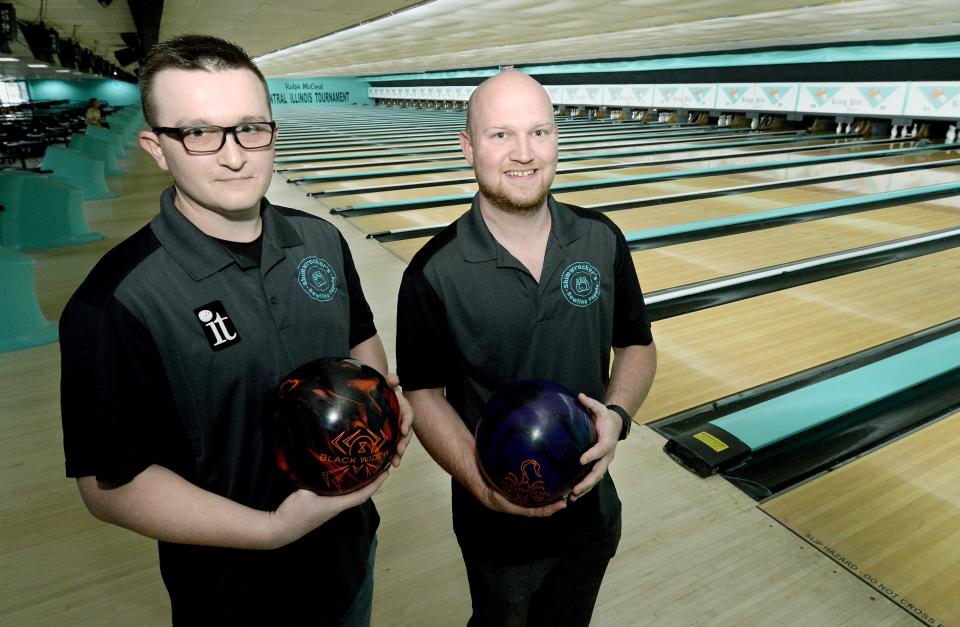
x=471, y=319
x=171, y=348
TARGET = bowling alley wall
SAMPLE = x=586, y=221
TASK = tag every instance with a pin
x=901, y=81
x=116, y=93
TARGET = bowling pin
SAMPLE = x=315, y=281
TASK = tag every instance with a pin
x=951, y=134
x=893, y=132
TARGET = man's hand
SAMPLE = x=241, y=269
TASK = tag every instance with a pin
x=497, y=502
x=406, y=419
x=303, y=511
x=608, y=425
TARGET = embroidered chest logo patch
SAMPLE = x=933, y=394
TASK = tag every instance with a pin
x=317, y=278
x=217, y=325
x=580, y=284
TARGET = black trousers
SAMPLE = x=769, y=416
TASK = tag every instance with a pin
x=558, y=591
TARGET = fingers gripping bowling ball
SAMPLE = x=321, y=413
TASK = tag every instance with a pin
x=529, y=440
x=335, y=424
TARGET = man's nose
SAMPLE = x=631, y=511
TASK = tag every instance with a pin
x=232, y=154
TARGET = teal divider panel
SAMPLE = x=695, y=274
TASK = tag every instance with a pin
x=110, y=135
x=22, y=324
x=79, y=170
x=777, y=419
x=128, y=122
x=759, y=216
x=41, y=211
x=99, y=149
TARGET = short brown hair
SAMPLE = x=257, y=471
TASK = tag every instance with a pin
x=192, y=52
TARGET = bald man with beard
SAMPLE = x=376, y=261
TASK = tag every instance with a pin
x=524, y=287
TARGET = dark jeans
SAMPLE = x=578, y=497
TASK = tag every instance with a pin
x=559, y=591
x=359, y=613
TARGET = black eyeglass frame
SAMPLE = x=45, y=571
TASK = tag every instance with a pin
x=179, y=132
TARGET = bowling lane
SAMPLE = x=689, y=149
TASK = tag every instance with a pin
x=443, y=138
x=314, y=165
x=659, y=158
x=347, y=146
x=680, y=212
x=704, y=260
x=335, y=139
x=895, y=515
x=425, y=127
x=712, y=353
x=648, y=169
x=592, y=139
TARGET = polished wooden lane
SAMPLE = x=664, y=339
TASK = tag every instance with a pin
x=346, y=145
x=700, y=209
x=326, y=142
x=816, y=147
x=308, y=163
x=416, y=130
x=893, y=519
x=401, y=161
x=709, y=354
x=704, y=260
x=589, y=198
x=609, y=194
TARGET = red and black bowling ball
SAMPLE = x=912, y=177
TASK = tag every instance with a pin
x=529, y=440
x=335, y=424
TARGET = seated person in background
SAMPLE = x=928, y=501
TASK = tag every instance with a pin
x=93, y=117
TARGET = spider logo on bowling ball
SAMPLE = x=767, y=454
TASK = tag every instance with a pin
x=522, y=489
x=334, y=425
x=529, y=440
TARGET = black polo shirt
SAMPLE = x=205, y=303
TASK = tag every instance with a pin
x=170, y=350
x=471, y=319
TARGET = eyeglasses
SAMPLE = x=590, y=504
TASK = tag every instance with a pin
x=208, y=139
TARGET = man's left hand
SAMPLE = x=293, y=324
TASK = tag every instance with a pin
x=406, y=418
x=609, y=425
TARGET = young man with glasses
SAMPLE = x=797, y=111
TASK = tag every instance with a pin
x=171, y=349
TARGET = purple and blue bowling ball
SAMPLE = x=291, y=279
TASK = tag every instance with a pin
x=529, y=440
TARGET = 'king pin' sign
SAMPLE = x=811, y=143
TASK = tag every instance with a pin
x=317, y=91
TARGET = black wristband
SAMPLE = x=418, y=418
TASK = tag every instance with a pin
x=627, y=420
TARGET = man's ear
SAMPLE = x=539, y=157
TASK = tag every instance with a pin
x=466, y=146
x=150, y=142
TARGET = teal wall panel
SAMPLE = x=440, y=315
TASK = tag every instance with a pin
x=318, y=91
x=117, y=93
